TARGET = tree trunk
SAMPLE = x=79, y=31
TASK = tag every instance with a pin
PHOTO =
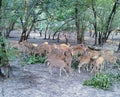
x=40, y=32
x=58, y=38
x=49, y=35
x=46, y=30
x=77, y=23
x=25, y=24
x=32, y=25
x=95, y=22
x=100, y=39
x=23, y=35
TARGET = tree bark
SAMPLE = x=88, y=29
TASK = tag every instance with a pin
x=40, y=32
x=46, y=30
x=77, y=23
x=23, y=35
x=31, y=27
x=95, y=22
x=58, y=37
x=49, y=35
x=100, y=40
x=25, y=25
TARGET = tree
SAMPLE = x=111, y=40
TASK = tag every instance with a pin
x=31, y=13
x=10, y=17
x=77, y=23
x=3, y=56
x=95, y=20
x=103, y=19
x=110, y=20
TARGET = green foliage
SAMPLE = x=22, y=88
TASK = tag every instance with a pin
x=100, y=80
x=118, y=62
x=11, y=52
x=7, y=53
x=75, y=64
x=32, y=59
x=57, y=12
x=117, y=77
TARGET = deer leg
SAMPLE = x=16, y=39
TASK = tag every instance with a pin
x=50, y=69
x=79, y=66
x=93, y=69
x=65, y=71
x=60, y=72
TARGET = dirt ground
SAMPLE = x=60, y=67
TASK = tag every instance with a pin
x=35, y=80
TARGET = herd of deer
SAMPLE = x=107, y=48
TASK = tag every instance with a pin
x=62, y=56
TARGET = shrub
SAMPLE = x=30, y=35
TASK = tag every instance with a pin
x=116, y=77
x=118, y=61
x=11, y=52
x=32, y=59
x=100, y=80
x=75, y=64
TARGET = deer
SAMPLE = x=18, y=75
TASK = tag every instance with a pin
x=83, y=60
x=43, y=49
x=64, y=47
x=68, y=59
x=92, y=53
x=98, y=64
x=54, y=61
x=77, y=51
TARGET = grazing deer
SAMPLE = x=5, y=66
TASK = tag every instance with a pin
x=57, y=62
x=64, y=47
x=93, y=54
x=29, y=46
x=84, y=60
x=78, y=49
x=98, y=64
x=43, y=49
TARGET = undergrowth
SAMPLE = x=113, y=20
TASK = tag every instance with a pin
x=75, y=64
x=11, y=52
x=100, y=80
x=32, y=59
x=103, y=80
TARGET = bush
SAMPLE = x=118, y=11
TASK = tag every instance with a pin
x=118, y=63
x=11, y=52
x=116, y=77
x=100, y=80
x=32, y=59
x=75, y=64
